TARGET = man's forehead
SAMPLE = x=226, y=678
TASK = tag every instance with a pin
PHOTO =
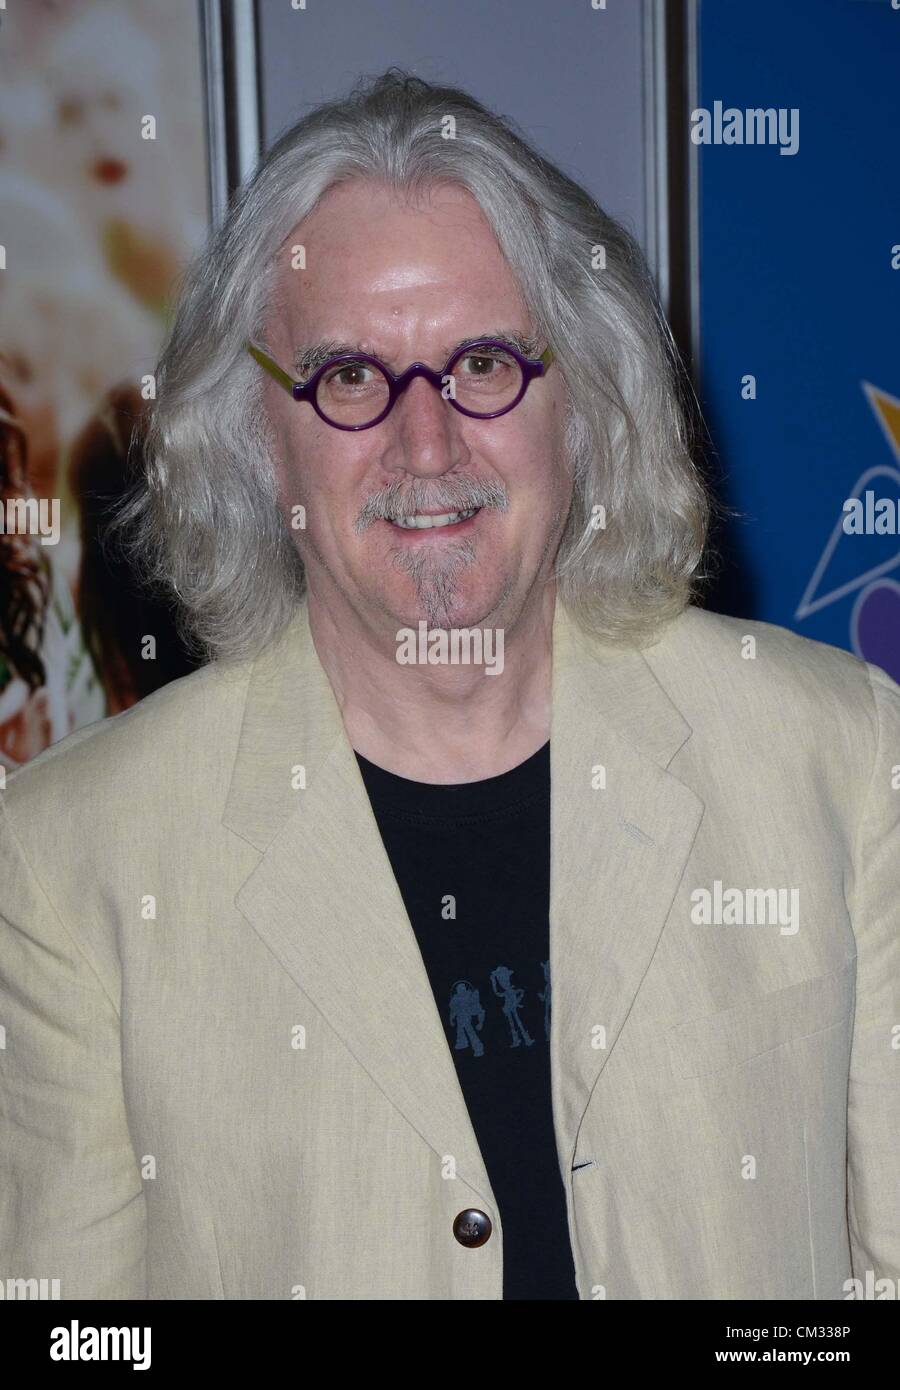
x=395, y=281
x=396, y=257
x=373, y=292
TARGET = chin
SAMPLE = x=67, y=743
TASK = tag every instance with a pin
x=465, y=612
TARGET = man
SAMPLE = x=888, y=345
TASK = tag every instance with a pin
x=280, y=940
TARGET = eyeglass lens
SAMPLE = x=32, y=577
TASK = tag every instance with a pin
x=482, y=381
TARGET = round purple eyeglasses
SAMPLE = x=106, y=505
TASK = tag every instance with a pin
x=355, y=391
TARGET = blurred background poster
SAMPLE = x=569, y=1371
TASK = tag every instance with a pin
x=103, y=198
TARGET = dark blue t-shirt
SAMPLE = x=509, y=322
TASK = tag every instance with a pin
x=484, y=847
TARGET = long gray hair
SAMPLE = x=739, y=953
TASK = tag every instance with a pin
x=202, y=519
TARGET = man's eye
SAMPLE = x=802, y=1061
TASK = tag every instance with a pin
x=490, y=363
x=350, y=374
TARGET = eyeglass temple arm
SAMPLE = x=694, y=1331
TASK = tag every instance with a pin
x=271, y=367
x=546, y=357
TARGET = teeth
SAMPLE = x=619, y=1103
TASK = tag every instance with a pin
x=422, y=523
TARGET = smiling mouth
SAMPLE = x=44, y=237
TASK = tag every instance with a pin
x=426, y=523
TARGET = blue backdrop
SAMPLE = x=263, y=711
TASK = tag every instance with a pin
x=799, y=289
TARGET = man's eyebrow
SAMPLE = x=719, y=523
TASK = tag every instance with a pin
x=309, y=356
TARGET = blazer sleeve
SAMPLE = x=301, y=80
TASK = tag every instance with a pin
x=873, y=1113
x=72, y=1205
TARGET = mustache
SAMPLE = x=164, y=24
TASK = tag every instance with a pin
x=400, y=500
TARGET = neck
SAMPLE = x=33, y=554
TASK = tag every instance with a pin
x=439, y=723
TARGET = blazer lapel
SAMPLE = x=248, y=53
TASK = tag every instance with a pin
x=622, y=828
x=324, y=899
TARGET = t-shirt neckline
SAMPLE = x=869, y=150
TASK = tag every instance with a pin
x=499, y=793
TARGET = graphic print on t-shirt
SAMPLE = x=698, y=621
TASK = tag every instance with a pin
x=465, y=1009
x=501, y=980
x=467, y=1013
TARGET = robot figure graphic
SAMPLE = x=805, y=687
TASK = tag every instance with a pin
x=465, y=1005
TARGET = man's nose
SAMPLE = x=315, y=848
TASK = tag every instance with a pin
x=426, y=435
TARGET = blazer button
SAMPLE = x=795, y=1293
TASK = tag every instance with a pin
x=472, y=1227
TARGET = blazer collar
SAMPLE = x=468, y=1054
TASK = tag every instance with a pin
x=291, y=716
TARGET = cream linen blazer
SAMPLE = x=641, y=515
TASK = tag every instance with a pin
x=224, y=1075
